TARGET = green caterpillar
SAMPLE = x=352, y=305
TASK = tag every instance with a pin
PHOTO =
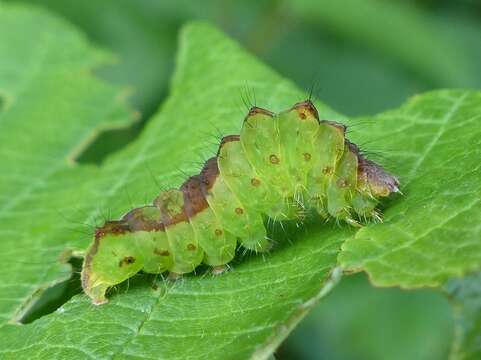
x=279, y=165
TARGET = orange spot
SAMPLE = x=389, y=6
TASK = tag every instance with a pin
x=191, y=247
x=274, y=159
x=327, y=170
x=161, y=252
x=239, y=211
x=307, y=156
x=255, y=182
x=302, y=115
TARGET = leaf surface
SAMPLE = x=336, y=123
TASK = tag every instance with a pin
x=431, y=233
x=250, y=310
x=245, y=312
x=51, y=108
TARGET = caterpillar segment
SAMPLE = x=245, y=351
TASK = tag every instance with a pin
x=278, y=167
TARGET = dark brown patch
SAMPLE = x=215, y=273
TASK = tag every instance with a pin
x=195, y=190
x=307, y=156
x=218, y=232
x=137, y=222
x=126, y=261
x=304, y=107
x=115, y=227
x=208, y=174
x=239, y=211
x=273, y=159
x=194, y=199
x=161, y=252
x=191, y=247
x=255, y=182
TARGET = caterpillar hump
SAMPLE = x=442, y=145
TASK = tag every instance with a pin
x=279, y=165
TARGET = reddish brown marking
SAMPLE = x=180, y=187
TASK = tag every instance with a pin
x=307, y=156
x=114, y=227
x=195, y=190
x=194, y=200
x=161, y=252
x=126, y=261
x=191, y=247
x=209, y=174
x=218, y=232
x=239, y=211
x=137, y=222
x=274, y=159
x=304, y=107
x=255, y=182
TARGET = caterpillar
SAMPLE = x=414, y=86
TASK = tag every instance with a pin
x=280, y=166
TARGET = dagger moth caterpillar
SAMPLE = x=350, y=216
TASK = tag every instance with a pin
x=279, y=165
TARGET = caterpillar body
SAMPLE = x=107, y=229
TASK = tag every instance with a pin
x=279, y=165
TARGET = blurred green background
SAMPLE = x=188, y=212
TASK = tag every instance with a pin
x=364, y=56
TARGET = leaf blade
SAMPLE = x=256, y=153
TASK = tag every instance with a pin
x=427, y=236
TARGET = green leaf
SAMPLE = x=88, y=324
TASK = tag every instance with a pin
x=431, y=233
x=248, y=311
x=466, y=297
x=143, y=45
x=52, y=108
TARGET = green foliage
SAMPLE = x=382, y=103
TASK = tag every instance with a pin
x=466, y=296
x=412, y=38
x=377, y=322
x=52, y=107
x=432, y=234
